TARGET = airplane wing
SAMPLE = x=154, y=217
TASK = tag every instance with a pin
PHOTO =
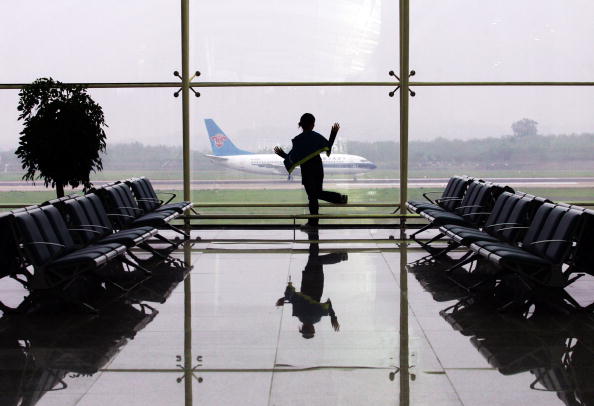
x=215, y=158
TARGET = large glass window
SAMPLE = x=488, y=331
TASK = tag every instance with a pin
x=312, y=40
x=143, y=139
x=364, y=163
x=344, y=40
x=536, y=139
x=144, y=136
x=90, y=41
x=506, y=40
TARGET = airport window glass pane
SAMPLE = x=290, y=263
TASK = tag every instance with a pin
x=364, y=163
x=10, y=167
x=90, y=41
x=311, y=40
x=507, y=40
x=143, y=139
x=539, y=140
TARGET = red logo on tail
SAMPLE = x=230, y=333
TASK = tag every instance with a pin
x=219, y=140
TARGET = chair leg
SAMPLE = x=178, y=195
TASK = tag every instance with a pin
x=420, y=230
x=145, y=246
x=136, y=265
x=177, y=230
x=466, y=259
x=437, y=237
x=165, y=240
x=69, y=298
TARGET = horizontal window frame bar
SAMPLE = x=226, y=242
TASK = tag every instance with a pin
x=199, y=206
x=265, y=205
x=297, y=216
x=173, y=85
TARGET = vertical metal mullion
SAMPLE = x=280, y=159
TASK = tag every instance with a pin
x=404, y=98
x=185, y=54
x=185, y=62
x=404, y=354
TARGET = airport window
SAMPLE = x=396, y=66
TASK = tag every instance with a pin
x=330, y=41
x=268, y=118
x=98, y=41
x=258, y=74
x=533, y=40
x=536, y=138
x=230, y=293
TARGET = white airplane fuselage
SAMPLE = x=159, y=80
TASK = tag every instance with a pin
x=273, y=164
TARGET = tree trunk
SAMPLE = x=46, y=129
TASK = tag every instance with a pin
x=59, y=189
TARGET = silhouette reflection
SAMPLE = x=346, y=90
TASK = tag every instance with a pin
x=307, y=303
x=44, y=346
x=554, y=346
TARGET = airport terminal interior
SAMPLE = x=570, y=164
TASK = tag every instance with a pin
x=191, y=272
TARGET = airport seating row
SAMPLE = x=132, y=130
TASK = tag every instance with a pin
x=57, y=243
x=541, y=242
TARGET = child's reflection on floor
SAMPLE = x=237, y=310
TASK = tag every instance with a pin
x=307, y=304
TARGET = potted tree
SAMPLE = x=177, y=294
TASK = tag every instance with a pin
x=62, y=135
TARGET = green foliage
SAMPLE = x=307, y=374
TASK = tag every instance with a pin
x=62, y=134
x=524, y=127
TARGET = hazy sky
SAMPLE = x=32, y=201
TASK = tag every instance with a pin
x=321, y=40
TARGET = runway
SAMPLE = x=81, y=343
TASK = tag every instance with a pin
x=280, y=184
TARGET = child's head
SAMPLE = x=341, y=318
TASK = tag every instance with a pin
x=307, y=122
x=307, y=330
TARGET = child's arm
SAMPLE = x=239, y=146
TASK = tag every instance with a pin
x=333, y=133
x=279, y=151
x=333, y=318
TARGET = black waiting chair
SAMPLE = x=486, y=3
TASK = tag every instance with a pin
x=507, y=222
x=450, y=198
x=543, y=251
x=45, y=242
x=474, y=209
x=124, y=211
x=148, y=199
x=11, y=263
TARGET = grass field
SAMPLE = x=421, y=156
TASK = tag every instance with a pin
x=376, y=174
x=379, y=195
x=262, y=195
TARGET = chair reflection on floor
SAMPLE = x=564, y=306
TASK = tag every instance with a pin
x=307, y=303
x=556, y=347
x=42, y=348
x=434, y=280
x=166, y=275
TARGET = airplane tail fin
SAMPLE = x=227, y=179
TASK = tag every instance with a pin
x=221, y=144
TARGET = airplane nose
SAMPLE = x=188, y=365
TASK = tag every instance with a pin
x=372, y=165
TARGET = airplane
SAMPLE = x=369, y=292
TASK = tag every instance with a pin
x=225, y=153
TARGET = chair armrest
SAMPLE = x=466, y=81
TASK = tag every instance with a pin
x=447, y=199
x=500, y=224
x=120, y=215
x=132, y=208
x=85, y=230
x=428, y=198
x=95, y=226
x=514, y=228
x=480, y=213
x=467, y=207
x=543, y=241
x=173, y=195
x=22, y=245
x=148, y=199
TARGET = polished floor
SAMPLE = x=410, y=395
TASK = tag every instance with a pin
x=283, y=322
